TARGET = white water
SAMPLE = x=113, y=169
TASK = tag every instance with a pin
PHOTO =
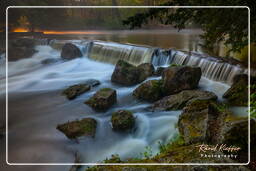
x=36, y=107
x=212, y=68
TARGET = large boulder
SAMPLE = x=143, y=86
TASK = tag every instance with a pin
x=150, y=90
x=128, y=74
x=21, y=48
x=237, y=94
x=178, y=78
x=202, y=121
x=125, y=74
x=75, y=129
x=180, y=100
x=146, y=70
x=70, y=51
x=102, y=100
x=122, y=120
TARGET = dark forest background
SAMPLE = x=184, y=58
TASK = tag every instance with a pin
x=71, y=18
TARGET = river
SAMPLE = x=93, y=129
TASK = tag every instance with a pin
x=36, y=105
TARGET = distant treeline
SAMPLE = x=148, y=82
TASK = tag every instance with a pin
x=35, y=19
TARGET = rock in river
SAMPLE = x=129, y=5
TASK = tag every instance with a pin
x=178, y=101
x=76, y=90
x=128, y=75
x=178, y=78
x=122, y=120
x=70, y=51
x=102, y=100
x=75, y=129
x=150, y=90
x=146, y=70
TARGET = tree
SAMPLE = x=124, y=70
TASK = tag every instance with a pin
x=229, y=25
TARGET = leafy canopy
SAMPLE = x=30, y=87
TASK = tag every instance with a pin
x=229, y=25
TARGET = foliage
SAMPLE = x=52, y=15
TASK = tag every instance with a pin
x=177, y=140
x=147, y=153
x=114, y=159
x=229, y=25
x=253, y=101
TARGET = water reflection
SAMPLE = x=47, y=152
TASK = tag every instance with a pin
x=188, y=40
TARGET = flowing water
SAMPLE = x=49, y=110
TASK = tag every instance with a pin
x=36, y=105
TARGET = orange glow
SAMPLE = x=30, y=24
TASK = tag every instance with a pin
x=20, y=30
x=57, y=32
x=71, y=32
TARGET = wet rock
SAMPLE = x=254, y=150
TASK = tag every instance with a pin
x=146, y=70
x=49, y=61
x=128, y=74
x=17, y=53
x=75, y=129
x=150, y=90
x=70, y=51
x=21, y=48
x=178, y=78
x=237, y=94
x=122, y=120
x=159, y=71
x=102, y=100
x=75, y=90
x=202, y=121
x=125, y=74
x=178, y=101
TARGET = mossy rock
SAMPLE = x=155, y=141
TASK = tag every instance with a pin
x=75, y=129
x=102, y=99
x=128, y=74
x=237, y=94
x=150, y=90
x=179, y=78
x=180, y=100
x=146, y=70
x=75, y=90
x=122, y=120
x=125, y=74
x=202, y=121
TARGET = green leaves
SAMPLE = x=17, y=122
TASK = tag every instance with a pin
x=228, y=25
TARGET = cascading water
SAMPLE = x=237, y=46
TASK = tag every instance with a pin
x=35, y=90
x=212, y=68
x=112, y=52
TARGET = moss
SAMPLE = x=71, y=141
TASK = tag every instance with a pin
x=76, y=90
x=114, y=159
x=150, y=91
x=74, y=129
x=122, y=120
x=174, y=65
x=197, y=105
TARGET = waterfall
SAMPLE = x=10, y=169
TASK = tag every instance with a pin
x=212, y=68
x=112, y=52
